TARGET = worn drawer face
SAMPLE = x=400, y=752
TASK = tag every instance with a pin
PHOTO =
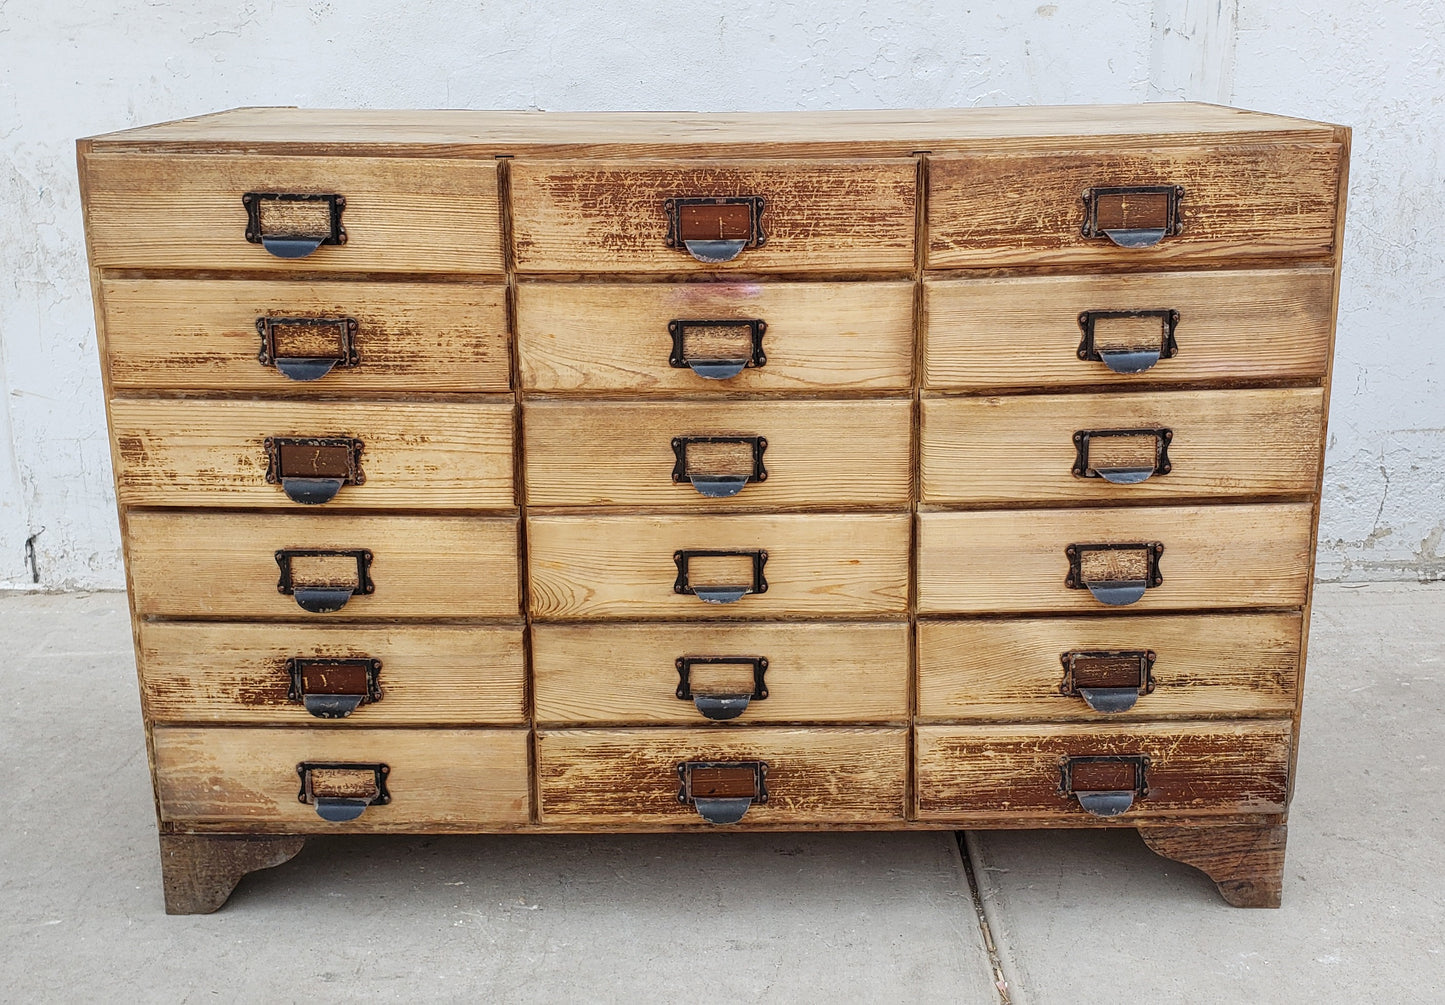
x=718, y=455
x=636, y=673
x=247, y=779
x=747, y=566
x=614, y=216
x=1034, y=331
x=647, y=338
x=400, y=455
x=1213, y=557
x=1054, y=668
x=629, y=777
x=209, y=335
x=227, y=565
x=239, y=673
x=186, y=211
x=1193, y=769
x=1097, y=447
x=1235, y=202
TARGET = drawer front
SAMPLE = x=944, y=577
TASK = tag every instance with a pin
x=1095, y=447
x=613, y=216
x=1030, y=331
x=629, y=777
x=226, y=565
x=247, y=779
x=629, y=566
x=1214, y=557
x=1052, y=668
x=240, y=673
x=1193, y=769
x=1237, y=202
x=186, y=211
x=718, y=455
x=625, y=337
x=203, y=335
x=399, y=455
x=676, y=674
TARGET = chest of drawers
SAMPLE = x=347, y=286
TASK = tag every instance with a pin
x=510, y=472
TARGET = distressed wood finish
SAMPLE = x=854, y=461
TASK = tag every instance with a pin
x=199, y=872
x=1246, y=862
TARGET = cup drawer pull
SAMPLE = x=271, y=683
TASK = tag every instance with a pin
x=712, y=229
x=333, y=688
x=719, y=466
x=1116, y=574
x=1108, y=680
x=717, y=349
x=323, y=580
x=293, y=226
x=1122, y=456
x=1137, y=216
x=342, y=791
x=1105, y=786
x=1128, y=341
x=721, y=687
x=311, y=470
x=304, y=349
x=722, y=791
x=726, y=575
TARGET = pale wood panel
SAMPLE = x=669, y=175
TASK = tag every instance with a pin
x=1196, y=768
x=417, y=455
x=628, y=673
x=185, y=211
x=630, y=775
x=614, y=336
x=1012, y=208
x=1021, y=448
x=189, y=334
x=607, y=216
x=622, y=567
x=224, y=565
x=1023, y=331
x=1235, y=664
x=819, y=453
x=236, y=673
x=1216, y=556
x=454, y=779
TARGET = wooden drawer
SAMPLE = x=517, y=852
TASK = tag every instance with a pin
x=1201, y=665
x=718, y=454
x=226, y=565
x=1194, y=769
x=612, y=216
x=1214, y=557
x=1238, y=202
x=629, y=566
x=247, y=779
x=629, y=777
x=622, y=336
x=240, y=673
x=1046, y=448
x=634, y=673
x=206, y=335
x=186, y=211
x=1029, y=331
x=411, y=455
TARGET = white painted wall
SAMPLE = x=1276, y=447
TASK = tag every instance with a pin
x=70, y=68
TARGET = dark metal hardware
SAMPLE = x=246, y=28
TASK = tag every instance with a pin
x=312, y=470
x=718, y=593
x=715, y=229
x=721, y=707
x=291, y=225
x=1129, y=358
x=710, y=364
x=333, y=688
x=1108, y=680
x=1104, y=785
x=716, y=484
x=1133, y=216
x=307, y=348
x=339, y=799
x=722, y=791
x=1115, y=582
x=1130, y=472
x=332, y=595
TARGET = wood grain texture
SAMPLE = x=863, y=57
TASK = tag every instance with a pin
x=1275, y=200
x=614, y=336
x=1206, y=665
x=1246, y=863
x=1015, y=332
x=1226, y=444
x=818, y=454
x=627, y=673
x=1214, y=557
x=223, y=565
x=198, y=873
x=1195, y=768
x=236, y=673
x=630, y=775
x=245, y=778
x=622, y=567
x=607, y=216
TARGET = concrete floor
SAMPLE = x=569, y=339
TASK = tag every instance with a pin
x=1074, y=915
